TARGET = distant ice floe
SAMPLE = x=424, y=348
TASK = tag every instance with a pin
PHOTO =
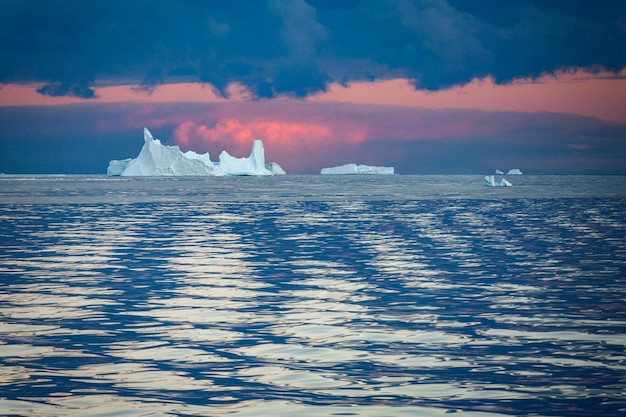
x=156, y=159
x=490, y=181
x=351, y=169
x=513, y=171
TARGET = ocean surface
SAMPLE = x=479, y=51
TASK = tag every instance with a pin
x=312, y=296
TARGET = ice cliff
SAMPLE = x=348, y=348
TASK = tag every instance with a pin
x=156, y=159
x=357, y=169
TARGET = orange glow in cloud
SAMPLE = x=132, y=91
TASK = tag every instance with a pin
x=240, y=134
x=284, y=141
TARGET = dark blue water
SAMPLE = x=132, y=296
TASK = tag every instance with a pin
x=380, y=297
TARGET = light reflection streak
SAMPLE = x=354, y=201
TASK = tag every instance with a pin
x=195, y=315
x=107, y=404
x=189, y=333
x=617, y=339
x=24, y=352
x=281, y=376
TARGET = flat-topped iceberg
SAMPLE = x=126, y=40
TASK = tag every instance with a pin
x=357, y=169
x=490, y=181
x=156, y=159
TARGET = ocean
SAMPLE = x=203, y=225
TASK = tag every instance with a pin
x=312, y=296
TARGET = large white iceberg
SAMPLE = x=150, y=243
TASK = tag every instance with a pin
x=156, y=159
x=357, y=169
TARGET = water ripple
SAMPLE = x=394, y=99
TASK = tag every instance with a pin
x=328, y=307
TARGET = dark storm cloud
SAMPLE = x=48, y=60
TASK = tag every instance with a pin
x=297, y=47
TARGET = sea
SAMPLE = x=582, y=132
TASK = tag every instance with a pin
x=311, y=295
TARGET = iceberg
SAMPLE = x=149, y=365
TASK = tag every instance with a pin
x=156, y=159
x=514, y=171
x=498, y=172
x=490, y=181
x=357, y=169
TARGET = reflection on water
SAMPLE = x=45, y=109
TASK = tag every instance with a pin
x=377, y=307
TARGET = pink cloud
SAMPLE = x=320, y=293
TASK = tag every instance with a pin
x=577, y=91
x=292, y=143
x=598, y=94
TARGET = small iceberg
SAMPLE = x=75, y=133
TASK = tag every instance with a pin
x=352, y=169
x=156, y=159
x=498, y=172
x=514, y=171
x=490, y=181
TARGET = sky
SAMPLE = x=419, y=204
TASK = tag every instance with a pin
x=425, y=86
